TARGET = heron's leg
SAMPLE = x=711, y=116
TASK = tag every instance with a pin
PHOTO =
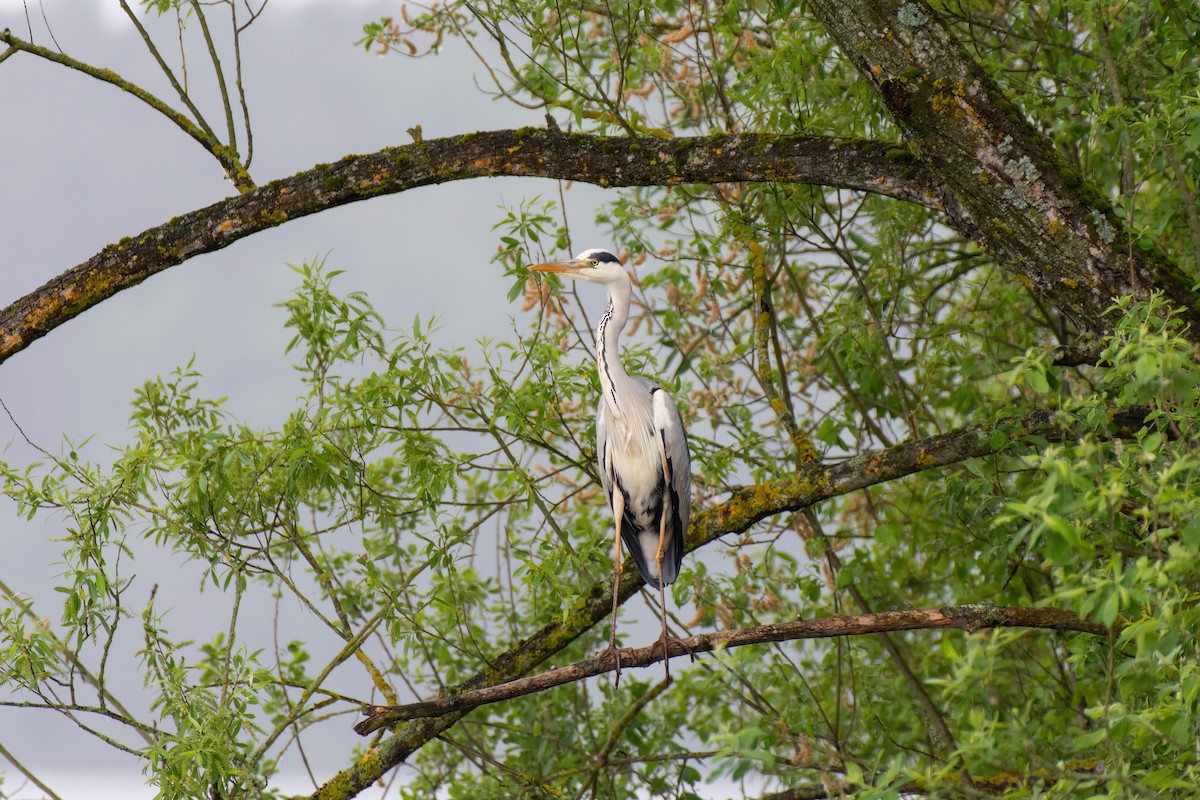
x=659, y=555
x=619, y=514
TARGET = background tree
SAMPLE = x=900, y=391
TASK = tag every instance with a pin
x=922, y=278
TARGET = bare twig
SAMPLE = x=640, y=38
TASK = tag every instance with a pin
x=241, y=91
x=231, y=128
x=968, y=618
x=180, y=90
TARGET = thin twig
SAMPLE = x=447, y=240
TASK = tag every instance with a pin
x=25, y=771
x=230, y=127
x=106, y=697
x=183, y=95
x=241, y=91
x=49, y=30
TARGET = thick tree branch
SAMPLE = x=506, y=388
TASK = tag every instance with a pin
x=607, y=161
x=743, y=509
x=967, y=618
x=1002, y=182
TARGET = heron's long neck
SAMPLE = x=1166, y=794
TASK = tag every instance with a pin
x=614, y=381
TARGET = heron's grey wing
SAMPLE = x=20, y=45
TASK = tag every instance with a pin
x=669, y=423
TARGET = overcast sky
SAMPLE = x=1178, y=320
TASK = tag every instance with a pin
x=82, y=165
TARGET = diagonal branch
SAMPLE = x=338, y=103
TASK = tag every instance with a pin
x=968, y=618
x=864, y=165
x=743, y=509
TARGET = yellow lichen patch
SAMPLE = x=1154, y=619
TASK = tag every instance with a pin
x=924, y=460
x=973, y=118
x=946, y=105
x=1054, y=226
x=370, y=183
x=44, y=310
x=1070, y=283
x=225, y=225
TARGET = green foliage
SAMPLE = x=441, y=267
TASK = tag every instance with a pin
x=429, y=509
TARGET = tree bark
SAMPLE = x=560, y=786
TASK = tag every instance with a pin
x=1001, y=181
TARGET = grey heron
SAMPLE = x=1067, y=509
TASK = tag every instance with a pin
x=641, y=445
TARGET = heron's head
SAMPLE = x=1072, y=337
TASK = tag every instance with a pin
x=595, y=266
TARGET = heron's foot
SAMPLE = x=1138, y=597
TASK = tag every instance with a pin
x=612, y=653
x=683, y=643
x=666, y=640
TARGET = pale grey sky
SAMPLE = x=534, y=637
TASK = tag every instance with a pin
x=82, y=165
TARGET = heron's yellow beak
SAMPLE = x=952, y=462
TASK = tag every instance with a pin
x=560, y=267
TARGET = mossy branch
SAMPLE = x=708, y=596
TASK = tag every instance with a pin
x=607, y=161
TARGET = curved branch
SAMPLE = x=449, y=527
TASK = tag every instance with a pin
x=737, y=514
x=968, y=618
x=864, y=165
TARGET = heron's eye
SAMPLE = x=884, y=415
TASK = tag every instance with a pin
x=595, y=262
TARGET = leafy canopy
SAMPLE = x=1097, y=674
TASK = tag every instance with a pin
x=430, y=509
